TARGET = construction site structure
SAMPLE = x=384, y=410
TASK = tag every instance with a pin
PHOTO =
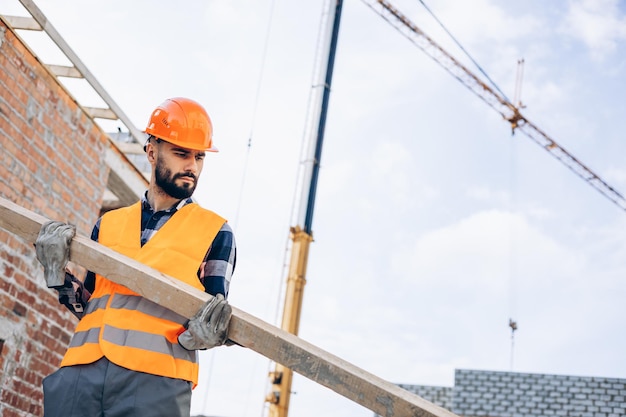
x=500, y=394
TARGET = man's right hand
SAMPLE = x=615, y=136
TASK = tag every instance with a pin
x=53, y=250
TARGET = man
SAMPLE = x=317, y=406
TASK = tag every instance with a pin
x=130, y=356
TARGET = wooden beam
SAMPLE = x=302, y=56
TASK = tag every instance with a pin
x=65, y=71
x=43, y=22
x=358, y=385
x=130, y=148
x=125, y=180
x=23, y=23
x=101, y=113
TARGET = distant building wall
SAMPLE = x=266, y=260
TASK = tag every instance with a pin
x=504, y=394
x=441, y=396
x=51, y=162
x=513, y=394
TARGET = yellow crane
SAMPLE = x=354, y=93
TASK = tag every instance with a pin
x=302, y=234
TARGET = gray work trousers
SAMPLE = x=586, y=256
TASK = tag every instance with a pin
x=103, y=389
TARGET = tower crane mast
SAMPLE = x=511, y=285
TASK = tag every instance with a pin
x=508, y=110
x=302, y=233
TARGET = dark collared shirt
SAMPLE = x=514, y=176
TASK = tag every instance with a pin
x=214, y=272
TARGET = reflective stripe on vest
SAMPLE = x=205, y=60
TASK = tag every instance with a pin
x=129, y=330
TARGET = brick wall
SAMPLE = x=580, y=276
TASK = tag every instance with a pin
x=441, y=396
x=51, y=162
x=513, y=394
x=502, y=394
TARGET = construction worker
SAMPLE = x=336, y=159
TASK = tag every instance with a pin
x=130, y=356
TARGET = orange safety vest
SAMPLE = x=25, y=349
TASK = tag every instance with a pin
x=129, y=330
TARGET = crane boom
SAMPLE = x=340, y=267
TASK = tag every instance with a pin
x=508, y=110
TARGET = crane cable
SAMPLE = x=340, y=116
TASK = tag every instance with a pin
x=245, y=169
x=298, y=184
x=464, y=50
x=513, y=253
x=249, y=146
x=254, y=114
x=512, y=178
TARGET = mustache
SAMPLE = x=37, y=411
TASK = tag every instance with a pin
x=187, y=175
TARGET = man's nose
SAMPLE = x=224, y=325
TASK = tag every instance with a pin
x=192, y=166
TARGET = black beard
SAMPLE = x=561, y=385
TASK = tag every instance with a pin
x=167, y=182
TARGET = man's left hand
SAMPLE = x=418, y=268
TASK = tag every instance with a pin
x=208, y=328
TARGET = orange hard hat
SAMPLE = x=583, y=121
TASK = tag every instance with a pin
x=183, y=122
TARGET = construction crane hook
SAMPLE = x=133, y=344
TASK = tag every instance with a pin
x=516, y=120
x=517, y=98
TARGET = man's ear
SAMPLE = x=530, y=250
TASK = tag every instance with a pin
x=151, y=151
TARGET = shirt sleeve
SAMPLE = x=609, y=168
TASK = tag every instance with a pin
x=90, y=279
x=217, y=269
x=73, y=295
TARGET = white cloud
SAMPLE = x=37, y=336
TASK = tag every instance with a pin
x=482, y=246
x=486, y=194
x=597, y=23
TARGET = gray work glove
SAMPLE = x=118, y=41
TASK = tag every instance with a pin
x=53, y=250
x=208, y=328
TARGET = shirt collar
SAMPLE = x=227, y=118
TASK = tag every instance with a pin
x=145, y=204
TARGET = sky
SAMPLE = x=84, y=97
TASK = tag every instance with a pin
x=433, y=224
